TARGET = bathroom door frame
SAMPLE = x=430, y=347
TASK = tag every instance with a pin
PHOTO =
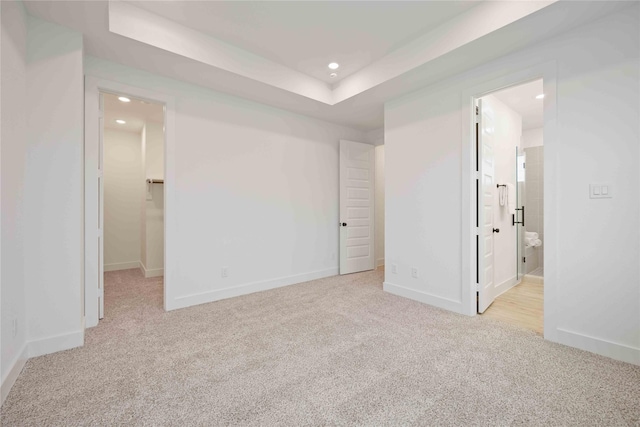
x=547, y=72
x=92, y=123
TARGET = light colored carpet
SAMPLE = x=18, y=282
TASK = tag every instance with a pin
x=337, y=351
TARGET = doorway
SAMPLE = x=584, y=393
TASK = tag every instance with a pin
x=131, y=199
x=510, y=204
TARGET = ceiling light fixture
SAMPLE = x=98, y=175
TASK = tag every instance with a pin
x=334, y=65
x=540, y=96
x=333, y=75
x=124, y=99
x=120, y=121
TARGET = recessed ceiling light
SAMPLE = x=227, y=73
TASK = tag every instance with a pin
x=120, y=121
x=334, y=65
x=540, y=96
x=333, y=75
x=124, y=99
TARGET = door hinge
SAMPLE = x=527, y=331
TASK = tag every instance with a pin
x=477, y=111
x=524, y=259
x=477, y=287
x=100, y=292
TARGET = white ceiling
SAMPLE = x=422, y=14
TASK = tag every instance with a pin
x=262, y=51
x=135, y=113
x=308, y=35
x=522, y=100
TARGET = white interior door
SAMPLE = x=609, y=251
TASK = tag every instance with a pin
x=357, y=170
x=486, y=193
x=101, y=211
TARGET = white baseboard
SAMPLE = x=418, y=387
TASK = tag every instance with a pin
x=424, y=297
x=533, y=279
x=56, y=343
x=599, y=346
x=121, y=266
x=249, y=288
x=12, y=375
x=156, y=272
x=506, y=285
x=380, y=262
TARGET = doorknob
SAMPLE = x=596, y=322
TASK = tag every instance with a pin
x=496, y=230
x=344, y=224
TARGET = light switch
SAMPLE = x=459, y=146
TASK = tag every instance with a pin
x=600, y=191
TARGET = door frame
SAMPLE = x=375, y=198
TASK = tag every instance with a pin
x=548, y=73
x=93, y=87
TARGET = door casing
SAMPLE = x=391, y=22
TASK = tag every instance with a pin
x=93, y=87
x=548, y=73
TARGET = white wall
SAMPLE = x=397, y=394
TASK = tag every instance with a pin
x=593, y=286
x=256, y=191
x=123, y=192
x=153, y=261
x=12, y=168
x=532, y=138
x=507, y=134
x=53, y=191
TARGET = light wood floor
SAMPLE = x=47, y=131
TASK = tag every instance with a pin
x=521, y=305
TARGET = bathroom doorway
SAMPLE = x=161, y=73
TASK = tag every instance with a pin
x=510, y=205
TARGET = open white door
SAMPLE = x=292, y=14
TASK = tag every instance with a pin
x=486, y=194
x=357, y=169
x=101, y=211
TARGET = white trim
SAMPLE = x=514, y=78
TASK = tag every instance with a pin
x=380, y=262
x=505, y=286
x=94, y=85
x=599, y=346
x=249, y=288
x=56, y=343
x=156, y=272
x=424, y=297
x=12, y=375
x=121, y=266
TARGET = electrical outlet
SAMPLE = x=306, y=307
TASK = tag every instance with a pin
x=414, y=272
x=394, y=268
x=14, y=327
x=224, y=272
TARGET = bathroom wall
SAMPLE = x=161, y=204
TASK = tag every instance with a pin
x=532, y=137
x=534, y=204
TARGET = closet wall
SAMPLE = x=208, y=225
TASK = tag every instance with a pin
x=123, y=186
x=152, y=214
x=134, y=209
